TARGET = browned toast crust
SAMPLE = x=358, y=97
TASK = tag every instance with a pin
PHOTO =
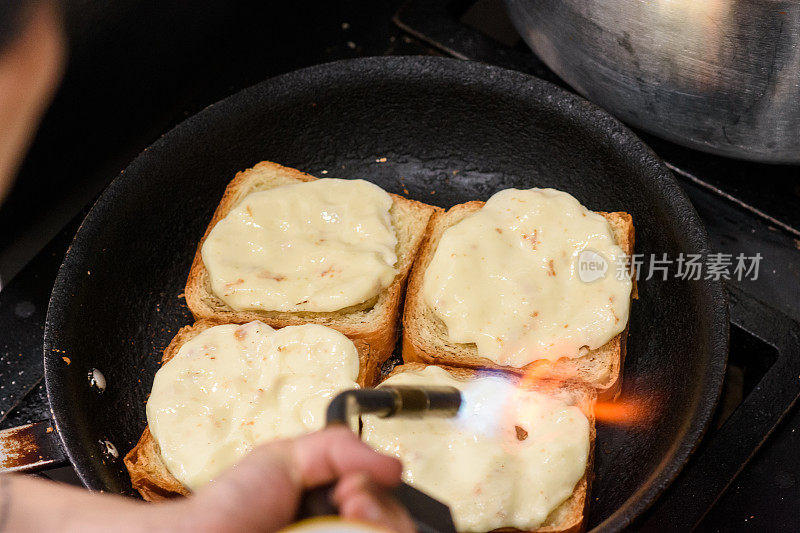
x=418, y=329
x=149, y=475
x=375, y=326
x=570, y=516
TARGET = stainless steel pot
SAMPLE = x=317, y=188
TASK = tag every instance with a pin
x=717, y=75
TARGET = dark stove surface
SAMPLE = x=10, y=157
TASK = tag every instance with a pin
x=135, y=72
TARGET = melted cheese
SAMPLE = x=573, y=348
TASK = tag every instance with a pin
x=477, y=464
x=231, y=387
x=507, y=279
x=317, y=246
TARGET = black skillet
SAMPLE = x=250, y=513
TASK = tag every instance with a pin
x=438, y=130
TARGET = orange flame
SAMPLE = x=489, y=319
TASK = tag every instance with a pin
x=622, y=412
x=630, y=410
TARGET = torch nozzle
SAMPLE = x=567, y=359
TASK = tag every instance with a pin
x=396, y=400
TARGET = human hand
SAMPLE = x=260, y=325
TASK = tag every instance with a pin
x=263, y=491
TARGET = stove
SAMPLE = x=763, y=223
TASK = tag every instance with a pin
x=746, y=472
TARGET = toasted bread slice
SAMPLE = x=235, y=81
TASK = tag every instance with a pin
x=375, y=322
x=149, y=475
x=570, y=516
x=425, y=337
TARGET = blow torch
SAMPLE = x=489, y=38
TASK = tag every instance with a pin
x=428, y=514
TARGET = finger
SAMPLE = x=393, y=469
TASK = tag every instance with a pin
x=359, y=499
x=258, y=494
x=349, y=485
x=327, y=455
x=262, y=491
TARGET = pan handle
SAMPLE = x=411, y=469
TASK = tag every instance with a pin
x=30, y=448
x=23, y=308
